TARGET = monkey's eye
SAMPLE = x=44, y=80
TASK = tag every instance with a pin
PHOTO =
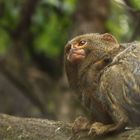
x=82, y=42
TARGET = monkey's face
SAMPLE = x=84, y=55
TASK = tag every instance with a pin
x=94, y=45
x=75, y=51
x=78, y=48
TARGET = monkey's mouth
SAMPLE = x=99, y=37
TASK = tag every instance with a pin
x=76, y=55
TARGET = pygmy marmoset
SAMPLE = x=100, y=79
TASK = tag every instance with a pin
x=106, y=77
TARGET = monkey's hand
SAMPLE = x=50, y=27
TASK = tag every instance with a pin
x=80, y=128
x=81, y=124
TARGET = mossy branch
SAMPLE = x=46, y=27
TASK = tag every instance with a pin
x=16, y=128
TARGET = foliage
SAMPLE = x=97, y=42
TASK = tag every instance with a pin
x=49, y=31
x=136, y=4
x=120, y=21
x=52, y=21
x=4, y=41
x=8, y=19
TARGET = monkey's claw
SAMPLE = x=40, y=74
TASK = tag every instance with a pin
x=97, y=129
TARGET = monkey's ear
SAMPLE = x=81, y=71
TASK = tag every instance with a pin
x=108, y=37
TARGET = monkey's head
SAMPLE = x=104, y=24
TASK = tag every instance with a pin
x=85, y=49
x=97, y=45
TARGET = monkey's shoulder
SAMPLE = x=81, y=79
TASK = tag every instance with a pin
x=130, y=53
x=125, y=65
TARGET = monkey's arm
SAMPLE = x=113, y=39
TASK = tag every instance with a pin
x=120, y=89
x=111, y=97
x=112, y=94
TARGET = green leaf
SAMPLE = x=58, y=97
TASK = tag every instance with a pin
x=4, y=41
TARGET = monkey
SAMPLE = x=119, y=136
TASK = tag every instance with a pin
x=105, y=76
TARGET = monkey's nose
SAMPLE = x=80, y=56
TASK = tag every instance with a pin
x=68, y=47
x=74, y=46
x=71, y=47
x=79, y=45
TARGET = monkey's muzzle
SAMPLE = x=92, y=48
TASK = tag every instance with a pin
x=76, y=55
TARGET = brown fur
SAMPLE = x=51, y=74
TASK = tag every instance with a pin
x=107, y=81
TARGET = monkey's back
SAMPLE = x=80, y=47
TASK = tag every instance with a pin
x=120, y=82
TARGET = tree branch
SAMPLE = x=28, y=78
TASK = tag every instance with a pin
x=15, y=128
x=26, y=13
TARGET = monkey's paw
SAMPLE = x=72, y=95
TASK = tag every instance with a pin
x=80, y=124
x=98, y=129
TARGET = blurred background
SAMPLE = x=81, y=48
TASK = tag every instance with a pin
x=33, y=34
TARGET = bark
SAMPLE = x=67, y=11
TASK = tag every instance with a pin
x=15, y=128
